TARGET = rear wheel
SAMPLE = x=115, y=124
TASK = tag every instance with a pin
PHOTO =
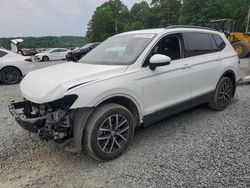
x=10, y=75
x=109, y=132
x=241, y=48
x=223, y=94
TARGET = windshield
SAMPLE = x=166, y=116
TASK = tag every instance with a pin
x=118, y=50
x=86, y=45
x=50, y=50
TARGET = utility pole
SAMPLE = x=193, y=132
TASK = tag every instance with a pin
x=116, y=27
x=248, y=19
x=116, y=21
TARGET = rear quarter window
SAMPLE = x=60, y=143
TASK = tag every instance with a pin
x=2, y=53
x=219, y=42
x=198, y=44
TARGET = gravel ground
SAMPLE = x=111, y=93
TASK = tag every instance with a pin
x=196, y=148
x=245, y=67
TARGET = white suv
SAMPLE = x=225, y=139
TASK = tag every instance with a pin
x=130, y=80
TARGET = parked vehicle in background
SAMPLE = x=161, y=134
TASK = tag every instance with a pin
x=52, y=54
x=130, y=80
x=240, y=41
x=14, y=45
x=13, y=66
x=28, y=52
x=78, y=53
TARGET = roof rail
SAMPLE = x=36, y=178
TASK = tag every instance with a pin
x=188, y=26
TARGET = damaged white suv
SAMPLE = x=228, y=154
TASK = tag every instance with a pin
x=130, y=80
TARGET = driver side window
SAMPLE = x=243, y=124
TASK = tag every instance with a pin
x=169, y=45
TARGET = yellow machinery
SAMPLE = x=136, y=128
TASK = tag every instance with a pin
x=240, y=41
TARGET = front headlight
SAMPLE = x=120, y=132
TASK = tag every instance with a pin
x=64, y=103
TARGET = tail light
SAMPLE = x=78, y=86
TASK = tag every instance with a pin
x=28, y=59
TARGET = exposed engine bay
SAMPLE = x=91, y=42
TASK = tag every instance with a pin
x=51, y=121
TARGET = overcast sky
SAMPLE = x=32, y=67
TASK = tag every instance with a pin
x=48, y=17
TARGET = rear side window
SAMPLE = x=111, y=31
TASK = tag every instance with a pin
x=198, y=44
x=219, y=42
x=2, y=53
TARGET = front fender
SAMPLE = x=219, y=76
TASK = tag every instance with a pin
x=74, y=144
x=98, y=98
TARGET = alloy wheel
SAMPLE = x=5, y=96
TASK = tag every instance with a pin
x=10, y=75
x=225, y=94
x=113, y=133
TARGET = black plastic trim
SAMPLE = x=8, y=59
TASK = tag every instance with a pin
x=79, y=85
x=188, y=27
x=31, y=125
x=81, y=116
x=164, y=113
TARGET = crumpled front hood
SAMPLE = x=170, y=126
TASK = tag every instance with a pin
x=51, y=83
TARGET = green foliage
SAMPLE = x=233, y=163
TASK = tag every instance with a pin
x=46, y=42
x=162, y=13
x=140, y=16
x=113, y=15
x=110, y=16
x=166, y=12
x=199, y=12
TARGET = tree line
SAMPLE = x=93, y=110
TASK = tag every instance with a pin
x=46, y=42
x=114, y=17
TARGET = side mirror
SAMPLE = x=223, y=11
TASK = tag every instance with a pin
x=158, y=60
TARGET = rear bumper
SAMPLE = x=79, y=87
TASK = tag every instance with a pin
x=31, y=124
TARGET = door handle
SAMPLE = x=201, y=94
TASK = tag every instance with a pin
x=186, y=66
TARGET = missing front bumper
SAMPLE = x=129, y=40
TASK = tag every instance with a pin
x=31, y=124
x=66, y=128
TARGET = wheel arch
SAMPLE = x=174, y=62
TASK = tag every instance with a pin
x=128, y=103
x=81, y=116
x=45, y=56
x=12, y=66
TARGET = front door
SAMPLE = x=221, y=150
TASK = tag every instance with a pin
x=167, y=86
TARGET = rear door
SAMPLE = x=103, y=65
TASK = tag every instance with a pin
x=203, y=55
x=53, y=54
x=62, y=54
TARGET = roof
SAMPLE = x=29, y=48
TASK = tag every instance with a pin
x=145, y=31
x=173, y=27
x=188, y=27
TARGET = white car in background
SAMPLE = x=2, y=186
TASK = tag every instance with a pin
x=52, y=54
x=13, y=66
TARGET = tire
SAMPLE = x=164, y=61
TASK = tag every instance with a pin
x=104, y=137
x=45, y=58
x=223, y=94
x=10, y=75
x=241, y=48
x=67, y=58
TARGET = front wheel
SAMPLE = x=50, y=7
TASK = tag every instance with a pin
x=10, y=75
x=223, y=94
x=45, y=58
x=109, y=132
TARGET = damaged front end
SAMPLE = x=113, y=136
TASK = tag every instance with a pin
x=51, y=121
